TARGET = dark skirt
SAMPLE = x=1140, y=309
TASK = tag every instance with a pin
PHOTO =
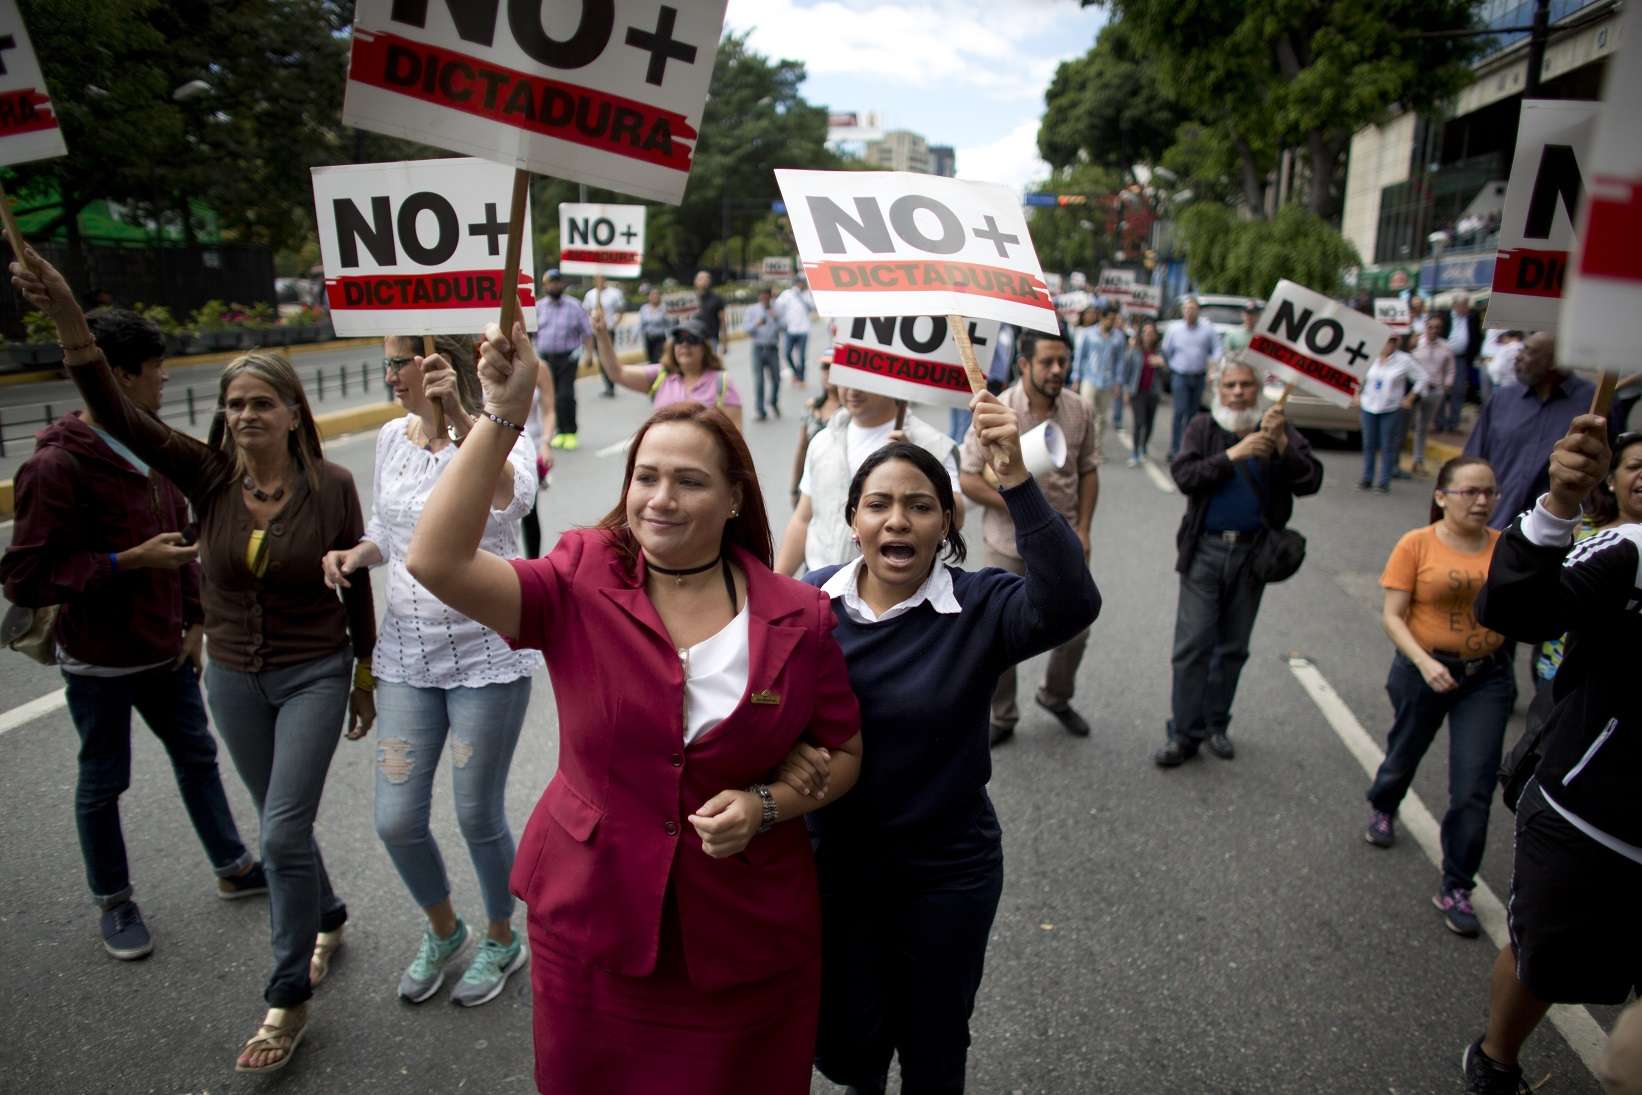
x=661, y=1035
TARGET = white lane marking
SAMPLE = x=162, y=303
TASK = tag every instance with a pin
x=1584, y=1036
x=615, y=448
x=33, y=709
x=1160, y=478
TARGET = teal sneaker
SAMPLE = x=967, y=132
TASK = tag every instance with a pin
x=427, y=972
x=487, y=974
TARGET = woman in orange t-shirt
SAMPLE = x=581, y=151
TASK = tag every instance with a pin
x=1450, y=667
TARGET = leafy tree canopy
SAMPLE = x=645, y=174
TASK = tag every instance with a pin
x=1226, y=254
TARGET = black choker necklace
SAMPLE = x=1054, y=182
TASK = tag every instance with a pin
x=259, y=494
x=678, y=576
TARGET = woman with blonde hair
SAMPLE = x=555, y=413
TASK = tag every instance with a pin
x=689, y=369
x=289, y=662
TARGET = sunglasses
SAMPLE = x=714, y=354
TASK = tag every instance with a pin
x=395, y=364
x=685, y=338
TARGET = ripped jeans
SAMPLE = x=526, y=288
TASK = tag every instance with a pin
x=483, y=726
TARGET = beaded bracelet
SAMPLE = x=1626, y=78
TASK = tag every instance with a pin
x=500, y=421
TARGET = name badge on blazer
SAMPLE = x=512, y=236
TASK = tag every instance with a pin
x=770, y=698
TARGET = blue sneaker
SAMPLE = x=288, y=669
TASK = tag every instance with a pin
x=427, y=971
x=249, y=884
x=125, y=936
x=487, y=974
x=1382, y=829
x=1457, y=913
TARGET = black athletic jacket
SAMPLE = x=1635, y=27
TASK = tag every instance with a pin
x=1592, y=754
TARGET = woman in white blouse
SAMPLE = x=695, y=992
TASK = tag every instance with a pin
x=441, y=676
x=1393, y=383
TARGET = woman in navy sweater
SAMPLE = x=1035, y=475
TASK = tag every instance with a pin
x=912, y=862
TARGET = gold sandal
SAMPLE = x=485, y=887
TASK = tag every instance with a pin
x=326, y=944
x=281, y=1032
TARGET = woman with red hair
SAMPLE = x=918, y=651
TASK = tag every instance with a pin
x=674, y=922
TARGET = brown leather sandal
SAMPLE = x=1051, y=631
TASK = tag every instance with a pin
x=326, y=944
x=280, y=1033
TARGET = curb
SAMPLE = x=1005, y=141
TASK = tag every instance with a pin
x=218, y=357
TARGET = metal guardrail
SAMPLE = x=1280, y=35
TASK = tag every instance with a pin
x=18, y=424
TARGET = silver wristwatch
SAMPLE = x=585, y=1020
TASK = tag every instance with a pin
x=767, y=800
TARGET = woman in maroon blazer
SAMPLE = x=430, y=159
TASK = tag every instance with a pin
x=674, y=924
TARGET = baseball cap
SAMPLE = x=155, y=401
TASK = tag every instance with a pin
x=553, y=274
x=689, y=327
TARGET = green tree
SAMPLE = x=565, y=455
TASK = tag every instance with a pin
x=1226, y=254
x=1265, y=75
x=1107, y=108
x=1076, y=237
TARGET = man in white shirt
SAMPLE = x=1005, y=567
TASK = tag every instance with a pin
x=816, y=535
x=1499, y=360
x=608, y=297
x=792, y=307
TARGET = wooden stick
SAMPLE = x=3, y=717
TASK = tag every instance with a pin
x=1288, y=390
x=14, y=235
x=428, y=350
x=1602, y=401
x=900, y=414
x=515, y=244
x=966, y=353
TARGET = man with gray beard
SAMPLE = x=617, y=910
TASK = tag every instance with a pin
x=1240, y=470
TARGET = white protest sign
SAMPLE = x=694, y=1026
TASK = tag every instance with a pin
x=1116, y=285
x=605, y=92
x=681, y=306
x=1070, y=304
x=877, y=243
x=416, y=248
x=1541, y=203
x=1394, y=313
x=1602, y=316
x=601, y=239
x=1321, y=345
x=775, y=266
x=28, y=124
x=1144, y=300
x=908, y=357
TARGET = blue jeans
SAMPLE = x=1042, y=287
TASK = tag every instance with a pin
x=483, y=726
x=1186, y=395
x=1377, y=434
x=169, y=701
x=797, y=348
x=1145, y=410
x=1456, y=395
x=1214, y=618
x=1476, y=712
x=766, y=365
x=281, y=727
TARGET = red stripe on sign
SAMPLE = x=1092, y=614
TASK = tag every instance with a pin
x=912, y=370
x=1615, y=226
x=20, y=112
x=969, y=278
x=445, y=289
x=1530, y=273
x=1320, y=371
x=568, y=112
x=614, y=258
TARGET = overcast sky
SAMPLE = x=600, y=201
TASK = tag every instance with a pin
x=968, y=73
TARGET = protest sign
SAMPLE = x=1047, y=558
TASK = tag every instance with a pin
x=1144, y=301
x=1318, y=344
x=604, y=92
x=680, y=306
x=878, y=243
x=1602, y=316
x=601, y=239
x=1070, y=304
x=1542, y=201
x=914, y=358
x=416, y=247
x=1394, y=313
x=776, y=267
x=28, y=124
x=1116, y=285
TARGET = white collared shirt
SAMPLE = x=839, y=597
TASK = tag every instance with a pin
x=936, y=589
x=715, y=676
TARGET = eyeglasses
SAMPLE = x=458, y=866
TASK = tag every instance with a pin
x=1471, y=494
x=395, y=364
x=684, y=338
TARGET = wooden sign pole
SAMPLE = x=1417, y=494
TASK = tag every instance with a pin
x=14, y=235
x=1602, y=401
x=515, y=244
x=1288, y=390
x=966, y=353
x=428, y=350
x=900, y=414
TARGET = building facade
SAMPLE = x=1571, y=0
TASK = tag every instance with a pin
x=943, y=160
x=1424, y=192
x=900, y=150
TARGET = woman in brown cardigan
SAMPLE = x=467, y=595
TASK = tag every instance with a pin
x=283, y=650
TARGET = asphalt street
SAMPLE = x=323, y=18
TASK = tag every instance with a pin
x=1220, y=928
